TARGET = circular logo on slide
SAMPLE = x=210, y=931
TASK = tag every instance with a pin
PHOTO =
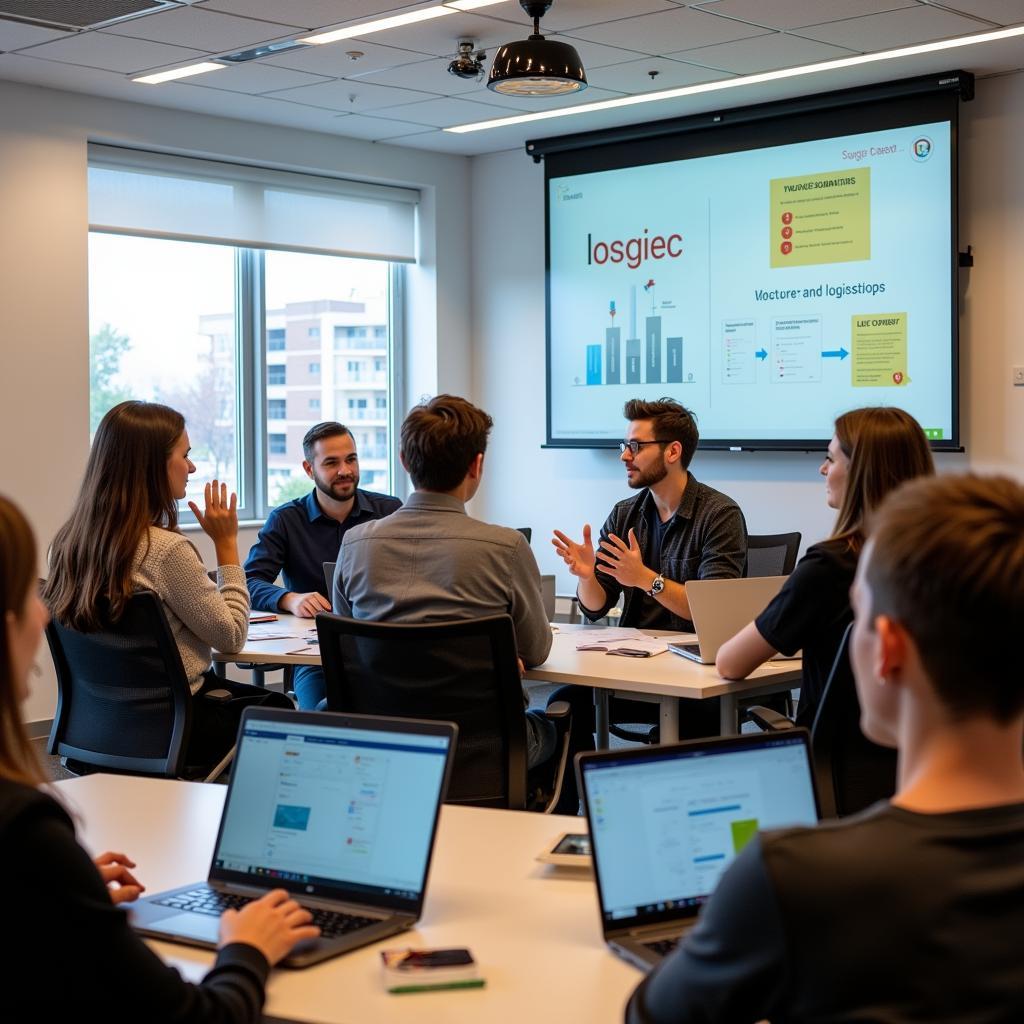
x=786, y=248
x=787, y=232
x=897, y=377
x=787, y=218
x=921, y=148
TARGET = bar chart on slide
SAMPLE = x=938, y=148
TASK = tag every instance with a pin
x=648, y=353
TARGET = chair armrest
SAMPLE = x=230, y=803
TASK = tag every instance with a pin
x=768, y=720
x=558, y=710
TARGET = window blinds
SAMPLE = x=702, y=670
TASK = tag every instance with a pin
x=161, y=196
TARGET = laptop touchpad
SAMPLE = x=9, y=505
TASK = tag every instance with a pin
x=190, y=926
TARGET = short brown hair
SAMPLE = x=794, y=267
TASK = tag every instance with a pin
x=671, y=421
x=320, y=431
x=885, y=446
x=947, y=562
x=440, y=440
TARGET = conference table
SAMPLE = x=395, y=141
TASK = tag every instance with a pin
x=661, y=679
x=533, y=928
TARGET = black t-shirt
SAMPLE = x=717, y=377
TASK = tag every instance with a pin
x=811, y=613
x=889, y=916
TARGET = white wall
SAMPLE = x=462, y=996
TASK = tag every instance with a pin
x=44, y=411
x=526, y=485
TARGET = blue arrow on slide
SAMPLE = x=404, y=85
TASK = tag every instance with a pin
x=838, y=353
x=761, y=354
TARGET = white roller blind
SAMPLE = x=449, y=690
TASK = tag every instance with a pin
x=139, y=193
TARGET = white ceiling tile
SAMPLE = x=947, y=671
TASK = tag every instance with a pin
x=596, y=55
x=376, y=128
x=115, y=53
x=632, y=77
x=257, y=77
x=202, y=30
x=309, y=14
x=437, y=141
x=1002, y=12
x=569, y=14
x=765, y=53
x=351, y=97
x=788, y=14
x=14, y=35
x=429, y=75
x=446, y=111
x=331, y=59
x=668, y=31
x=896, y=28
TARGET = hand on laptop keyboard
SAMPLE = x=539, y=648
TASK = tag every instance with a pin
x=274, y=924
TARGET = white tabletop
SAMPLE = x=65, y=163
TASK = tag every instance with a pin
x=533, y=929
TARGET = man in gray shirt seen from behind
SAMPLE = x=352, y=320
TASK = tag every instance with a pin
x=430, y=562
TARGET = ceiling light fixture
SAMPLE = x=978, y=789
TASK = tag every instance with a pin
x=175, y=73
x=395, y=21
x=537, y=66
x=732, y=83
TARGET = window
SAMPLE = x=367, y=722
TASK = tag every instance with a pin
x=380, y=332
x=379, y=365
x=179, y=321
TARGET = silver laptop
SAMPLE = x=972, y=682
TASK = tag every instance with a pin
x=340, y=810
x=329, y=568
x=665, y=822
x=719, y=609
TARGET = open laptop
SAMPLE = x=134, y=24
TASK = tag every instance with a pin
x=329, y=568
x=665, y=822
x=340, y=810
x=719, y=609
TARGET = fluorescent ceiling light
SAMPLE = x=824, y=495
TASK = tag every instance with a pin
x=186, y=72
x=409, y=18
x=732, y=83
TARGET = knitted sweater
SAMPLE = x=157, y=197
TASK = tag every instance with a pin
x=202, y=614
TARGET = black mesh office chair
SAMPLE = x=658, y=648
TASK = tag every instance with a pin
x=464, y=672
x=123, y=699
x=851, y=772
x=772, y=554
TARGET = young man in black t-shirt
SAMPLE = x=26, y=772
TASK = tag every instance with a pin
x=914, y=909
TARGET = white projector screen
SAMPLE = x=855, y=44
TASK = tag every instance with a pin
x=769, y=276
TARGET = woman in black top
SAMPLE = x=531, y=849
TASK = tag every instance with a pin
x=71, y=949
x=872, y=452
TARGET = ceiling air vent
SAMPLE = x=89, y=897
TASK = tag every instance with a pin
x=78, y=14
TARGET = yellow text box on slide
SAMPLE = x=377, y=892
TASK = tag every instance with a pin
x=820, y=218
x=879, y=344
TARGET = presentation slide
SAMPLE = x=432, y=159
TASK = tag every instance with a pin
x=768, y=290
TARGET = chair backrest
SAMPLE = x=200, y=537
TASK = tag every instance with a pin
x=123, y=699
x=329, y=568
x=464, y=672
x=547, y=595
x=527, y=532
x=771, y=554
x=852, y=772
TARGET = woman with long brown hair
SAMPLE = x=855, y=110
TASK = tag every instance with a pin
x=56, y=894
x=872, y=451
x=123, y=536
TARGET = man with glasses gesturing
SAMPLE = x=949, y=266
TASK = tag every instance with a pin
x=676, y=529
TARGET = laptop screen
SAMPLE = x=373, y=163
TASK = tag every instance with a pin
x=666, y=823
x=340, y=811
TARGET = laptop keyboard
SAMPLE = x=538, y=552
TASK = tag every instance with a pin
x=662, y=947
x=209, y=901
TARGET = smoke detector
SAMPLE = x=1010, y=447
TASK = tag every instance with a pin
x=468, y=64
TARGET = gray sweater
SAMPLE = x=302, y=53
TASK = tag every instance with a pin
x=202, y=614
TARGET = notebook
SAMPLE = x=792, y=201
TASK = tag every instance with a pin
x=665, y=822
x=339, y=809
x=719, y=609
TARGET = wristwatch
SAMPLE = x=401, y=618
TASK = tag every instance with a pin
x=657, y=586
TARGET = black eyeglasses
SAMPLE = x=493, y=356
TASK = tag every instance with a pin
x=635, y=446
